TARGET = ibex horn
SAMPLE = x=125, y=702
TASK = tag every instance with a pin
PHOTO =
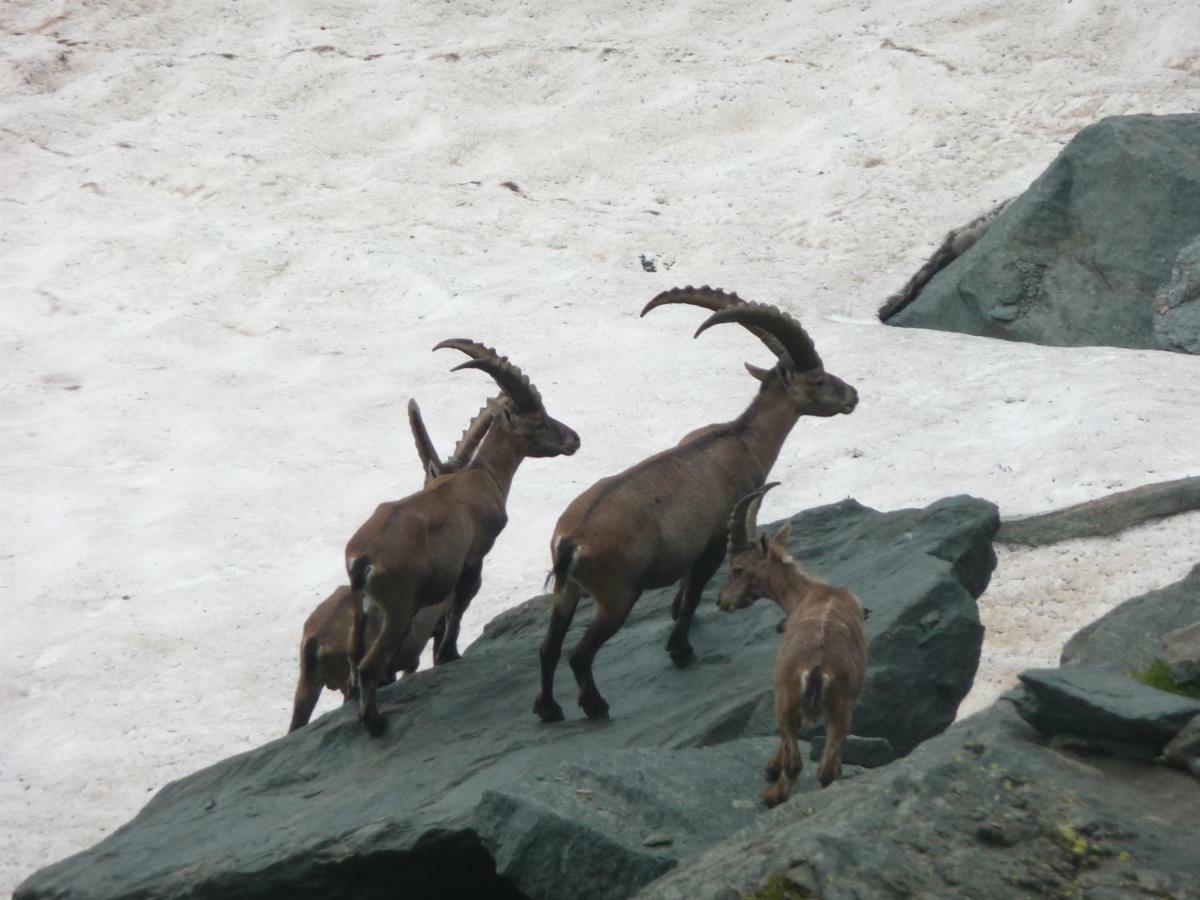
x=511, y=380
x=713, y=299
x=744, y=521
x=790, y=333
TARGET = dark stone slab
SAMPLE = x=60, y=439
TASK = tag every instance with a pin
x=1093, y=702
x=329, y=812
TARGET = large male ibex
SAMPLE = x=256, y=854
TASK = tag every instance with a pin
x=822, y=658
x=426, y=551
x=325, y=652
x=666, y=518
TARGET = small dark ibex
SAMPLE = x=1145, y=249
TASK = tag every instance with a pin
x=325, y=653
x=427, y=550
x=822, y=658
x=666, y=518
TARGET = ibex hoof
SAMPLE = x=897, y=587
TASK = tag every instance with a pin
x=682, y=657
x=775, y=795
x=595, y=709
x=548, y=711
x=375, y=724
x=447, y=657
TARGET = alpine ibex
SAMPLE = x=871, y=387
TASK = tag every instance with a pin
x=822, y=658
x=427, y=550
x=325, y=652
x=666, y=517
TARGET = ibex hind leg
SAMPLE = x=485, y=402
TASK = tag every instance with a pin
x=308, y=688
x=837, y=727
x=693, y=586
x=392, y=633
x=611, y=613
x=562, y=611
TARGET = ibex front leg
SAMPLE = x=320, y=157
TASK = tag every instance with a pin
x=695, y=580
x=445, y=635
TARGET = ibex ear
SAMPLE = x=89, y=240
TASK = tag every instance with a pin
x=764, y=546
x=758, y=373
x=781, y=536
x=432, y=470
x=508, y=414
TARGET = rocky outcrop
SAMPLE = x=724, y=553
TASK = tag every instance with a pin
x=987, y=809
x=1121, y=714
x=1102, y=249
x=1130, y=637
x=466, y=792
x=1105, y=515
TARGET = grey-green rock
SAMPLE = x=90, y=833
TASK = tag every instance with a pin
x=1102, y=249
x=328, y=811
x=1129, y=637
x=985, y=810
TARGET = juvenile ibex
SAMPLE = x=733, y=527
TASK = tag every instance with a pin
x=325, y=652
x=666, y=517
x=427, y=550
x=822, y=658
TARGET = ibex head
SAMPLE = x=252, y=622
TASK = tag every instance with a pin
x=799, y=370
x=519, y=408
x=749, y=555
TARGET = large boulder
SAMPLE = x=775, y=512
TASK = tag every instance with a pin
x=986, y=809
x=1130, y=636
x=1102, y=249
x=328, y=811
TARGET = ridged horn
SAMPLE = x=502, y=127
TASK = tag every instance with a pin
x=799, y=346
x=470, y=440
x=713, y=299
x=511, y=379
x=430, y=461
x=743, y=523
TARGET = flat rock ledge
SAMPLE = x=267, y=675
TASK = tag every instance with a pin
x=467, y=794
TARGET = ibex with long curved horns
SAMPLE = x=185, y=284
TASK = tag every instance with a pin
x=822, y=658
x=325, y=652
x=426, y=551
x=666, y=518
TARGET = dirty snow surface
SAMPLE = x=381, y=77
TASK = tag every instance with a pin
x=231, y=232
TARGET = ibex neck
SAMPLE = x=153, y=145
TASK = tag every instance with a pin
x=789, y=585
x=766, y=424
x=499, y=457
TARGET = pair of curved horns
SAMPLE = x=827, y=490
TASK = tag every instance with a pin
x=779, y=331
x=512, y=380
x=743, y=524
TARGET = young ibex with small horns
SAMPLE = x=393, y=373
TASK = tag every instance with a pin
x=428, y=549
x=325, y=652
x=822, y=658
x=665, y=519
